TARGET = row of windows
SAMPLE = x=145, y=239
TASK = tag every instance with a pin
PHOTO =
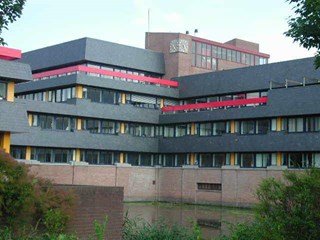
x=206, y=55
x=101, y=95
x=98, y=95
x=53, y=122
x=94, y=125
x=301, y=124
x=243, y=127
x=48, y=155
x=207, y=160
x=57, y=95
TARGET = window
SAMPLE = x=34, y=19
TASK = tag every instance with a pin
x=110, y=97
x=18, y=152
x=62, y=123
x=133, y=159
x=44, y=155
x=313, y=124
x=210, y=186
x=93, y=94
x=262, y=126
x=247, y=127
x=46, y=122
x=168, y=160
x=99, y=157
x=201, y=55
x=91, y=156
x=146, y=159
x=106, y=158
x=147, y=131
x=212, y=160
x=61, y=155
x=168, y=131
x=220, y=128
x=262, y=159
x=247, y=160
x=92, y=125
x=256, y=160
x=205, y=160
x=181, y=130
x=205, y=129
x=3, y=91
x=219, y=160
x=295, y=124
x=108, y=127
x=181, y=159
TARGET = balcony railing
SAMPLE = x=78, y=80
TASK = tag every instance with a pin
x=215, y=105
x=108, y=73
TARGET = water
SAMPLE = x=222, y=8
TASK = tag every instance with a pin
x=214, y=221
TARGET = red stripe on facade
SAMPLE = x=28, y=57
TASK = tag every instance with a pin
x=228, y=103
x=86, y=69
x=9, y=53
x=56, y=72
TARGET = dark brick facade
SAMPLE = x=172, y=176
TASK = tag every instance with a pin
x=94, y=203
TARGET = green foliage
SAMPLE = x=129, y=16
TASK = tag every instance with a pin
x=6, y=234
x=10, y=10
x=100, y=228
x=55, y=221
x=16, y=191
x=304, y=26
x=287, y=210
x=291, y=208
x=27, y=203
x=135, y=229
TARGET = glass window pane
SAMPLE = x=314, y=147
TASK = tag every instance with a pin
x=247, y=160
x=205, y=129
x=219, y=128
x=262, y=126
x=205, y=160
x=3, y=91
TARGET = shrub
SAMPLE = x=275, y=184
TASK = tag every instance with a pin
x=135, y=229
x=16, y=191
x=287, y=210
x=27, y=203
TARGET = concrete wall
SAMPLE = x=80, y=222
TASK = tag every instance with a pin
x=165, y=184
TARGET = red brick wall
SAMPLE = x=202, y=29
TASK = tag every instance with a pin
x=179, y=64
x=94, y=203
x=165, y=184
x=244, y=44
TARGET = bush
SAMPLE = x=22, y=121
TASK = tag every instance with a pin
x=135, y=229
x=16, y=191
x=27, y=203
x=287, y=210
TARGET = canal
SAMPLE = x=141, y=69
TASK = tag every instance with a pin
x=214, y=221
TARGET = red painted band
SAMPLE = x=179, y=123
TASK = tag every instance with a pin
x=228, y=103
x=9, y=53
x=86, y=69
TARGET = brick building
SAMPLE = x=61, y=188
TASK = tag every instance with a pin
x=185, y=54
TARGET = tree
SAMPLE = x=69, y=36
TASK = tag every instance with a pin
x=304, y=26
x=287, y=210
x=26, y=201
x=10, y=10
